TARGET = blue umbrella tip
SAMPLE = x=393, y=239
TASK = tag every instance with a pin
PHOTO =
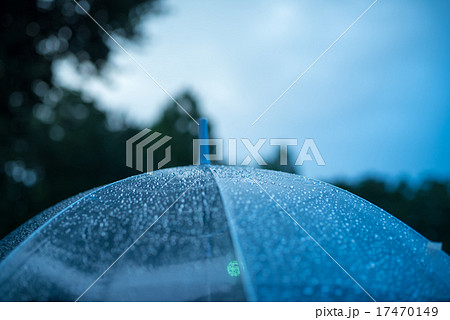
x=203, y=135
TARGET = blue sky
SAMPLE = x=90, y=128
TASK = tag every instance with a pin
x=378, y=103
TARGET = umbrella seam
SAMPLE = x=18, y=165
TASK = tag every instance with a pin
x=323, y=249
x=246, y=282
x=135, y=241
x=359, y=198
x=33, y=234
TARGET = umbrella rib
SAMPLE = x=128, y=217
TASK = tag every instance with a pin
x=134, y=242
x=312, y=238
x=59, y=213
x=247, y=282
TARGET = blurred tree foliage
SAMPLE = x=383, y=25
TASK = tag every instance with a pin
x=54, y=143
x=175, y=123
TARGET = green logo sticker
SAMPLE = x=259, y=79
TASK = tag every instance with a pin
x=233, y=268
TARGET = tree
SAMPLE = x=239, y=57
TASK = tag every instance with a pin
x=53, y=142
x=175, y=123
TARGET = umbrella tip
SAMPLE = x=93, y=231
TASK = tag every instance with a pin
x=203, y=134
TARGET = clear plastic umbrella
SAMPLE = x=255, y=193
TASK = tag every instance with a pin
x=204, y=233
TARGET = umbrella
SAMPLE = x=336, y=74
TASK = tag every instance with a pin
x=220, y=233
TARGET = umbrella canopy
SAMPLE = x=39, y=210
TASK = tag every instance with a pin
x=203, y=233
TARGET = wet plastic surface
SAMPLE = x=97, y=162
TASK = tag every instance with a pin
x=183, y=257
x=12, y=240
x=214, y=215
x=388, y=259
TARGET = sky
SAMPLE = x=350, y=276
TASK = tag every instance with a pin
x=376, y=104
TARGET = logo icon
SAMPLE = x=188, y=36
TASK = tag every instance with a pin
x=142, y=145
x=233, y=268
